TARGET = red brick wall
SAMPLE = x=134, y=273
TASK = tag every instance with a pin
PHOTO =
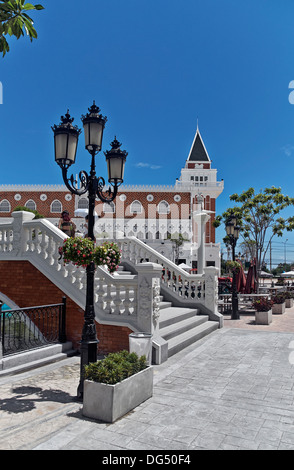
x=178, y=210
x=28, y=287
x=43, y=207
x=123, y=208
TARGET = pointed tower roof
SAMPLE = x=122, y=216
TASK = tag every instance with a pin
x=198, y=152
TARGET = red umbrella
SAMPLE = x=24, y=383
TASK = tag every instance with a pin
x=240, y=279
x=251, y=279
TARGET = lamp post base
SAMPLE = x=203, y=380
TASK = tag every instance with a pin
x=235, y=316
x=88, y=354
x=235, y=309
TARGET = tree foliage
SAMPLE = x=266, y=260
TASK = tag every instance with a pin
x=259, y=218
x=177, y=240
x=14, y=21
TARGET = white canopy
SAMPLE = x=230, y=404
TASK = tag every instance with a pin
x=265, y=274
x=288, y=274
x=81, y=212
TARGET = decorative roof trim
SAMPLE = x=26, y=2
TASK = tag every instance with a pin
x=33, y=187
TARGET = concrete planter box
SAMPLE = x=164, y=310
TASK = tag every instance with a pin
x=263, y=318
x=289, y=303
x=110, y=402
x=279, y=308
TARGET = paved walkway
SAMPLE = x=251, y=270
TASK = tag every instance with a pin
x=234, y=390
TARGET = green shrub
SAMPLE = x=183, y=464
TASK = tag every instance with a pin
x=115, y=367
x=24, y=208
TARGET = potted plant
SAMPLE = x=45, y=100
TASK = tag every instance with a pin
x=263, y=311
x=115, y=385
x=278, y=303
x=289, y=299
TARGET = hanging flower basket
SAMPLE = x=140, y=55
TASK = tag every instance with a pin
x=233, y=266
x=82, y=251
x=107, y=254
x=77, y=250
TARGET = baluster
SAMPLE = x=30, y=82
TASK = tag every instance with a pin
x=43, y=244
x=108, y=299
x=178, y=285
x=51, y=249
x=3, y=240
x=37, y=237
x=133, y=306
x=56, y=262
x=71, y=269
x=117, y=300
x=30, y=242
x=132, y=252
x=80, y=276
x=100, y=291
x=127, y=301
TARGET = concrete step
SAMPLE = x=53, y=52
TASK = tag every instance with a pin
x=171, y=315
x=181, y=341
x=27, y=360
x=180, y=327
x=163, y=304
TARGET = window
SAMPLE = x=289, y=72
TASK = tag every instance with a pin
x=109, y=208
x=83, y=203
x=30, y=204
x=136, y=207
x=56, y=206
x=4, y=206
x=163, y=207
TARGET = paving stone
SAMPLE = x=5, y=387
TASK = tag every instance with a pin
x=233, y=390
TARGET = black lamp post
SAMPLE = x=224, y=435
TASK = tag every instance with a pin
x=233, y=231
x=66, y=140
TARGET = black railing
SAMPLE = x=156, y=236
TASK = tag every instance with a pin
x=23, y=329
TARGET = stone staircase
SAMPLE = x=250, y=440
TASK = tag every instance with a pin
x=27, y=360
x=180, y=326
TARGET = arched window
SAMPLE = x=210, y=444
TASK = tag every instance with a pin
x=5, y=206
x=163, y=207
x=56, y=206
x=30, y=204
x=136, y=207
x=83, y=203
x=109, y=208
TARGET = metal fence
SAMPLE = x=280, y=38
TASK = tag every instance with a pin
x=33, y=327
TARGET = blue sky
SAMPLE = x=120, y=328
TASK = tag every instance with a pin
x=154, y=67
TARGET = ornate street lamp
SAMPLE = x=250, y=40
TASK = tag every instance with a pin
x=66, y=140
x=233, y=231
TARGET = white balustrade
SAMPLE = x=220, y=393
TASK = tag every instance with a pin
x=117, y=299
x=183, y=284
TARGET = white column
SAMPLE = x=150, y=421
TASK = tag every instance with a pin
x=20, y=235
x=149, y=275
x=200, y=218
